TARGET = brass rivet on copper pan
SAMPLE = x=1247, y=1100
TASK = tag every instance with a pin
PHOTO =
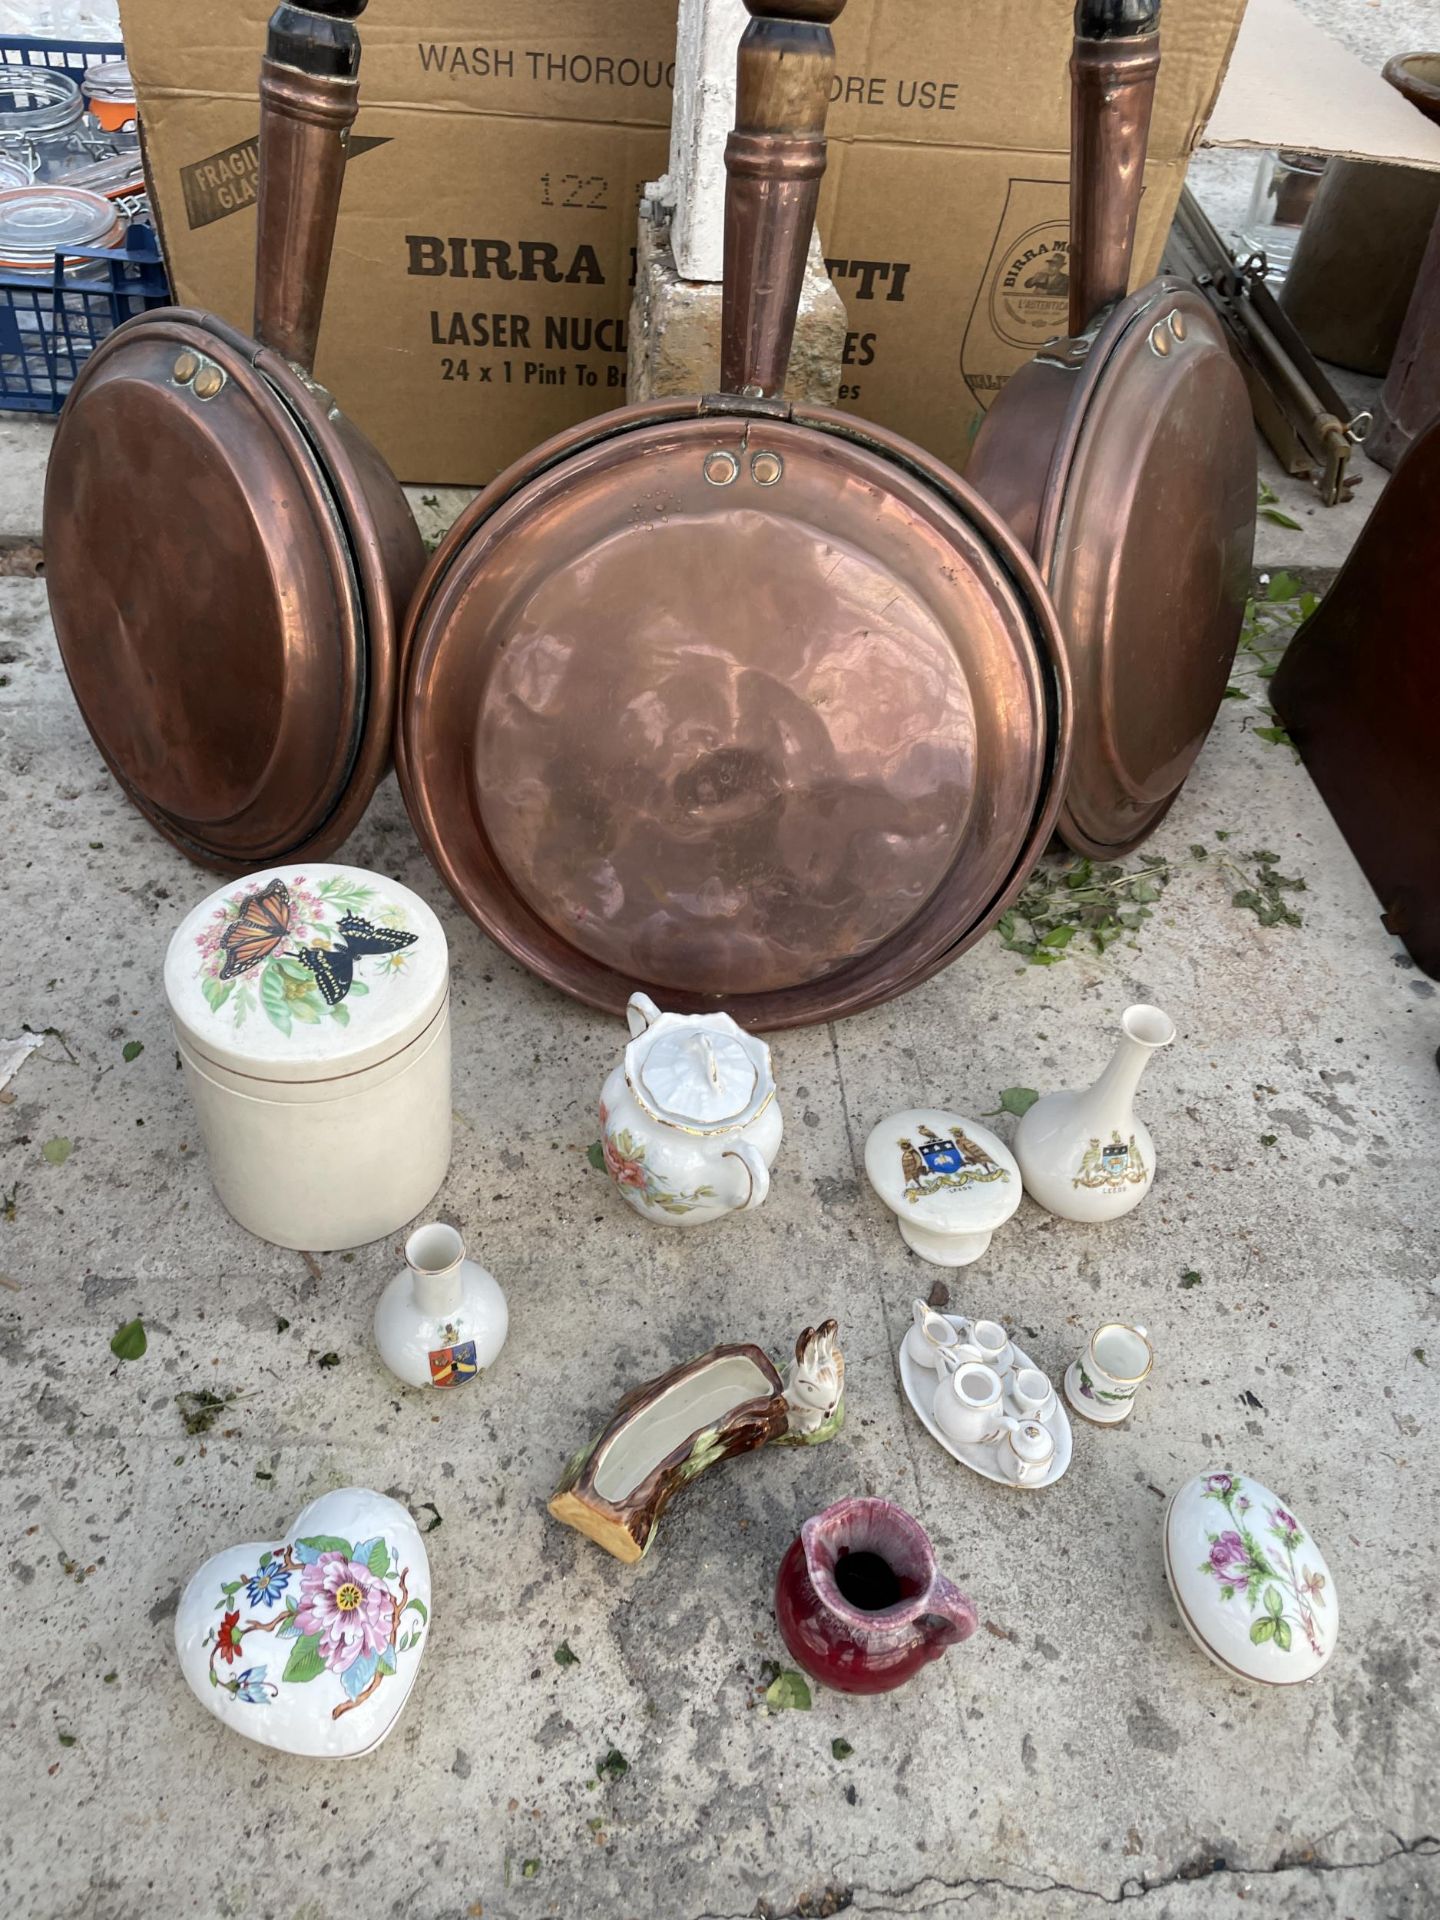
x=1159, y=340
x=766, y=468
x=721, y=468
x=208, y=382
x=187, y=365
x=1177, y=325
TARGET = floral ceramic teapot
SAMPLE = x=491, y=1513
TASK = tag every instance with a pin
x=689, y=1122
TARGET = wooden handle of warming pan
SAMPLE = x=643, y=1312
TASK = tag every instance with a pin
x=774, y=160
x=309, y=95
x=1113, y=64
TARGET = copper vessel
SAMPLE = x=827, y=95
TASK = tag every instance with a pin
x=729, y=699
x=1124, y=456
x=225, y=553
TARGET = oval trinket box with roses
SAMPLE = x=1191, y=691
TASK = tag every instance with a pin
x=312, y=1014
x=1252, y=1587
x=312, y=1644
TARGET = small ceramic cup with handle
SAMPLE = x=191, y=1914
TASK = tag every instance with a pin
x=1024, y=1452
x=1102, y=1383
x=1032, y=1393
x=931, y=1336
x=969, y=1402
x=993, y=1342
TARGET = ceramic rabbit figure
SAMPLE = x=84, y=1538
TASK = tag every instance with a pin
x=815, y=1381
x=690, y=1125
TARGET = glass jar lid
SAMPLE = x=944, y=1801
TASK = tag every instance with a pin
x=109, y=80
x=36, y=223
x=36, y=101
x=13, y=173
x=116, y=175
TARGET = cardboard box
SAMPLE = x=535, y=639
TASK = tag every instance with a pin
x=484, y=260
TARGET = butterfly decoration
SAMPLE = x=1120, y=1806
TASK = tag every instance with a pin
x=334, y=967
x=260, y=926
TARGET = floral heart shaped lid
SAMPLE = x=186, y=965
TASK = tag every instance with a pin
x=1252, y=1587
x=304, y=972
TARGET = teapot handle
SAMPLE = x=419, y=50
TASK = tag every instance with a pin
x=753, y=1161
x=950, y=1616
x=641, y=1013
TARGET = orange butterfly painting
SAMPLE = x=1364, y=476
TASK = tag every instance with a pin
x=258, y=929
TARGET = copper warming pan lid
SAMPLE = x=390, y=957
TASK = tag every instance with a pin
x=1124, y=457
x=224, y=551
x=729, y=699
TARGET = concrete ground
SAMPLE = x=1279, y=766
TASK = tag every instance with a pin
x=1076, y=1754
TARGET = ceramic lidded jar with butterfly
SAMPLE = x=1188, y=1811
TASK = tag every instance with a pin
x=312, y=1013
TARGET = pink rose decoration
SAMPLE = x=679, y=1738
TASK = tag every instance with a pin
x=1230, y=1558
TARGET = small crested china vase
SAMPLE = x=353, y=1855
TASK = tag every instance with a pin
x=1083, y=1154
x=442, y=1320
x=312, y=1643
x=859, y=1600
x=689, y=1122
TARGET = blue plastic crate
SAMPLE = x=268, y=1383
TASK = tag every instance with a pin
x=49, y=327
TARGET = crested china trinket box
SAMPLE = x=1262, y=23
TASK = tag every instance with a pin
x=311, y=1012
x=1251, y=1586
x=312, y=1643
x=949, y=1181
x=689, y=1121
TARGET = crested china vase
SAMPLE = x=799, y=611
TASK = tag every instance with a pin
x=1084, y=1155
x=860, y=1602
x=443, y=1319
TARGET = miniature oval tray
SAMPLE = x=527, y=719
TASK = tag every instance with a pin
x=978, y=1458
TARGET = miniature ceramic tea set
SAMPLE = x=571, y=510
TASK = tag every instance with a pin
x=980, y=1396
x=311, y=1010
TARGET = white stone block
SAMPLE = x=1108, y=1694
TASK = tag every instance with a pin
x=706, y=40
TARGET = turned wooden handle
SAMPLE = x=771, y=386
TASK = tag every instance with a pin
x=1113, y=64
x=773, y=160
x=309, y=95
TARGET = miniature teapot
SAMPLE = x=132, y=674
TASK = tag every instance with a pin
x=689, y=1122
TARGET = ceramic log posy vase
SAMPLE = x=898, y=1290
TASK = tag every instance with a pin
x=1084, y=1155
x=860, y=1602
x=312, y=1644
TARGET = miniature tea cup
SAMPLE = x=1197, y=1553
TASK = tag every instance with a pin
x=931, y=1335
x=1024, y=1452
x=1033, y=1395
x=1102, y=1383
x=993, y=1343
x=968, y=1402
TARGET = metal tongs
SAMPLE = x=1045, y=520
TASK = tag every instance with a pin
x=1297, y=407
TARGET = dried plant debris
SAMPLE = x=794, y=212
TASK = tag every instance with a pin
x=1075, y=905
x=200, y=1408
x=1271, y=618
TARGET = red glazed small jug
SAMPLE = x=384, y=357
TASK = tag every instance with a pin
x=860, y=1602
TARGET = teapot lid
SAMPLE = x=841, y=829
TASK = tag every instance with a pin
x=699, y=1071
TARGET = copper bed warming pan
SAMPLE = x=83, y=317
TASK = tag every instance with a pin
x=1124, y=457
x=734, y=700
x=225, y=553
